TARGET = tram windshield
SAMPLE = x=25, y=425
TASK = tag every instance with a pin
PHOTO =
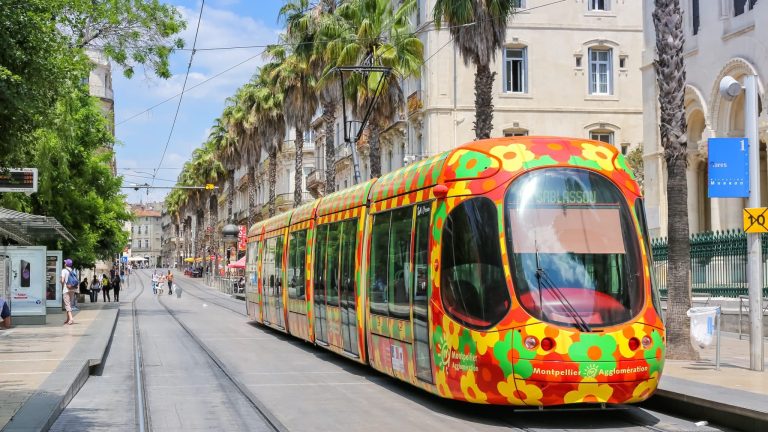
x=573, y=248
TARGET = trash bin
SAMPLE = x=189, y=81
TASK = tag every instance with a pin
x=703, y=325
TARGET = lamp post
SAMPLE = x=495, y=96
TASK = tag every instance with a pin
x=730, y=89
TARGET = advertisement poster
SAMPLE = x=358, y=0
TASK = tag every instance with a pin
x=53, y=263
x=242, y=238
x=27, y=275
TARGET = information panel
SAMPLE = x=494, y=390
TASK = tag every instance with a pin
x=53, y=263
x=27, y=277
x=728, y=168
x=18, y=180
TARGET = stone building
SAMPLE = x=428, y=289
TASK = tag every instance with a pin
x=568, y=69
x=723, y=37
x=146, y=233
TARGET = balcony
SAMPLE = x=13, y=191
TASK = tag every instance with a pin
x=316, y=183
x=414, y=103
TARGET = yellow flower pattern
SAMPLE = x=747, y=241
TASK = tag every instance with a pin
x=513, y=156
x=470, y=389
x=601, y=155
x=589, y=393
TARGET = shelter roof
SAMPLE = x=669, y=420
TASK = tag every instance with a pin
x=26, y=228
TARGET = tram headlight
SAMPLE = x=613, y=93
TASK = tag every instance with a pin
x=547, y=343
x=647, y=342
x=531, y=342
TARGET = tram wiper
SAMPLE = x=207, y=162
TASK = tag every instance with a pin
x=546, y=282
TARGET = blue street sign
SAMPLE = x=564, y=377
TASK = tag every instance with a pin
x=728, y=168
x=124, y=259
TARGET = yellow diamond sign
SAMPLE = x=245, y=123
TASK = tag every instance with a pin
x=756, y=220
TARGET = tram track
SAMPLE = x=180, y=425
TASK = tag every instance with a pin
x=210, y=299
x=240, y=388
x=142, y=410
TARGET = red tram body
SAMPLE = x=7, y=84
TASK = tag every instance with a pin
x=512, y=271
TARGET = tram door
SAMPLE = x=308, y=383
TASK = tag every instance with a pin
x=272, y=272
x=319, y=282
x=420, y=292
x=347, y=286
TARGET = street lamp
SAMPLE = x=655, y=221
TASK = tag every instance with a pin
x=729, y=90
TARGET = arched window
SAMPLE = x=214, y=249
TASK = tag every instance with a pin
x=515, y=131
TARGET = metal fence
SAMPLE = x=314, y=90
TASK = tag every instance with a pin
x=718, y=263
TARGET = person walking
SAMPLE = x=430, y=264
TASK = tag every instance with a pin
x=69, y=282
x=169, y=278
x=95, y=288
x=105, y=288
x=84, y=287
x=155, y=280
x=116, y=287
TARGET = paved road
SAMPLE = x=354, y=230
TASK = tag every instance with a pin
x=298, y=386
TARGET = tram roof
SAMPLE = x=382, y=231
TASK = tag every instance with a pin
x=304, y=212
x=255, y=229
x=278, y=221
x=346, y=199
x=418, y=175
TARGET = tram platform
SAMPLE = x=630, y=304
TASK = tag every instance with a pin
x=42, y=367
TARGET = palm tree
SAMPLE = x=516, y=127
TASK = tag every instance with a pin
x=251, y=146
x=373, y=32
x=267, y=113
x=479, y=29
x=670, y=77
x=296, y=77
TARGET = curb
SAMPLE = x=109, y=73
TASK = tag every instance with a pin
x=720, y=412
x=42, y=409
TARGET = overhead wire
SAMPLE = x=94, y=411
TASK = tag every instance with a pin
x=183, y=88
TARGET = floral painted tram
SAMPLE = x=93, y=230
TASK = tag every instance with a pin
x=507, y=271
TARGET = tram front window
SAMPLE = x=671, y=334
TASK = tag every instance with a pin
x=573, y=248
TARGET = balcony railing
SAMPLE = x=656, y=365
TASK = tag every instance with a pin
x=314, y=178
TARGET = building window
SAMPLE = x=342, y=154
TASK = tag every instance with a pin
x=599, y=5
x=515, y=73
x=741, y=6
x=622, y=62
x=695, y=21
x=518, y=4
x=578, y=61
x=600, y=72
x=602, y=135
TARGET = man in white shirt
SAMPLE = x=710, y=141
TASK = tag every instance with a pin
x=155, y=281
x=69, y=291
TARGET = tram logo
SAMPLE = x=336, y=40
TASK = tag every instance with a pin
x=590, y=371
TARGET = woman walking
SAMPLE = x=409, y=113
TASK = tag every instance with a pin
x=105, y=288
x=116, y=287
x=95, y=288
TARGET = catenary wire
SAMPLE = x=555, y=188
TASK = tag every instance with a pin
x=183, y=87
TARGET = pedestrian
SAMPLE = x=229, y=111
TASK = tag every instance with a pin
x=155, y=280
x=95, y=288
x=169, y=278
x=105, y=288
x=116, y=287
x=84, y=287
x=69, y=282
x=5, y=314
x=122, y=275
x=160, y=283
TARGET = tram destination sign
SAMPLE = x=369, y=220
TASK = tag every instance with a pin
x=18, y=180
x=728, y=168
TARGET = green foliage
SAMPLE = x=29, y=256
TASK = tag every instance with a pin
x=76, y=185
x=635, y=161
x=130, y=32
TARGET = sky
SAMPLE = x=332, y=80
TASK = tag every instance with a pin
x=141, y=139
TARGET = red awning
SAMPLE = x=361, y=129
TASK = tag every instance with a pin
x=240, y=264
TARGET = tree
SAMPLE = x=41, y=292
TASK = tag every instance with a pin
x=670, y=78
x=373, y=32
x=635, y=161
x=130, y=32
x=479, y=30
x=75, y=184
x=267, y=112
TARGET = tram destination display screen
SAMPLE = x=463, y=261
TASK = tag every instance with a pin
x=18, y=180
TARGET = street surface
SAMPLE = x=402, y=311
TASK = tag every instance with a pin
x=206, y=368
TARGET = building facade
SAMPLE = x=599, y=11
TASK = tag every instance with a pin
x=723, y=37
x=567, y=69
x=146, y=233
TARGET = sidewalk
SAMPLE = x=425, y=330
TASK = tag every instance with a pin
x=733, y=396
x=43, y=367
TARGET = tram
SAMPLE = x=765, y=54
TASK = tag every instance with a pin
x=510, y=271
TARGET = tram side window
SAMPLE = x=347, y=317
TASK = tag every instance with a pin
x=297, y=245
x=268, y=266
x=655, y=295
x=332, y=264
x=348, y=248
x=319, y=282
x=379, y=255
x=472, y=284
x=400, y=262
x=251, y=268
